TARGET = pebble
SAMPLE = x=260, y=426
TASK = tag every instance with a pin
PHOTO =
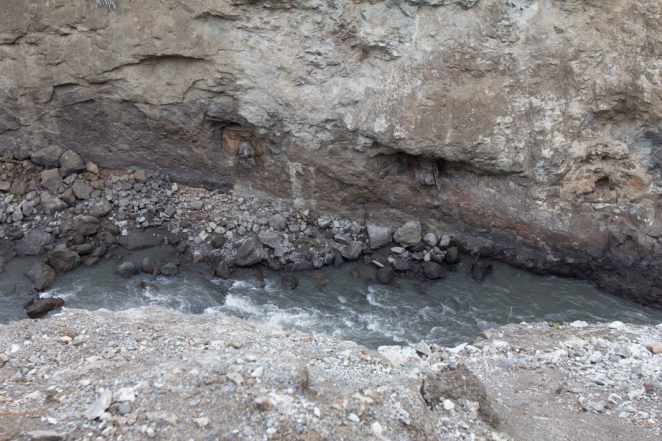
x=448, y=405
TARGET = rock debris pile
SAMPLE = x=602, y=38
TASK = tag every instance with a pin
x=150, y=373
x=75, y=213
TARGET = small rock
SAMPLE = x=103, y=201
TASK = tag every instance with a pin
x=202, y=422
x=124, y=409
x=43, y=306
x=655, y=347
x=289, y=282
x=44, y=435
x=409, y=234
x=91, y=167
x=49, y=157
x=430, y=239
x=353, y=418
x=41, y=275
x=377, y=428
x=448, y=405
x=70, y=163
x=278, y=222
x=222, y=270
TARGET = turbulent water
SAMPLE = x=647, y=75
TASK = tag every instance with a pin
x=446, y=312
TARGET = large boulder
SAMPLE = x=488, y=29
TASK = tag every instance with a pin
x=86, y=225
x=51, y=180
x=379, y=236
x=49, y=157
x=409, y=234
x=71, y=163
x=33, y=243
x=385, y=275
x=249, y=253
x=63, y=259
x=49, y=203
x=278, y=222
x=139, y=239
x=433, y=270
x=43, y=307
x=126, y=270
x=352, y=251
x=41, y=275
x=151, y=266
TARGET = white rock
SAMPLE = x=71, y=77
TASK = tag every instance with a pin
x=595, y=357
x=353, y=418
x=125, y=394
x=578, y=324
x=257, y=373
x=316, y=412
x=397, y=354
x=448, y=405
x=616, y=325
x=202, y=422
x=376, y=428
x=96, y=409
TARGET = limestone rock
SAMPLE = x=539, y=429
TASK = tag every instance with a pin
x=250, y=253
x=41, y=275
x=379, y=236
x=63, y=259
x=49, y=157
x=43, y=307
x=33, y=243
x=409, y=234
x=71, y=163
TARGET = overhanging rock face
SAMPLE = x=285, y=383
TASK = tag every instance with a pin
x=529, y=130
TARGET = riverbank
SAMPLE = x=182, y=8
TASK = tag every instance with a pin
x=83, y=374
x=76, y=213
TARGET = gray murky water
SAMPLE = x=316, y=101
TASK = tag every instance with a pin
x=447, y=312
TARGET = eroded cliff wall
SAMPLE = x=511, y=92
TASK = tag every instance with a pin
x=528, y=129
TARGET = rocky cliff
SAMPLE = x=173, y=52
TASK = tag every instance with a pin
x=530, y=130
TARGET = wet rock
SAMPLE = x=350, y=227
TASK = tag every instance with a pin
x=452, y=255
x=63, y=259
x=33, y=243
x=250, y=253
x=49, y=157
x=337, y=259
x=222, y=270
x=352, y=251
x=169, y=269
x=86, y=225
x=218, y=241
x=278, y=222
x=90, y=261
x=81, y=189
x=385, y=275
x=41, y=275
x=43, y=307
x=409, y=234
x=459, y=384
x=401, y=265
x=289, y=281
x=126, y=270
x=101, y=208
x=151, y=266
x=433, y=270
x=49, y=203
x=138, y=240
x=71, y=163
x=379, y=236
x=51, y=180
x=481, y=269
